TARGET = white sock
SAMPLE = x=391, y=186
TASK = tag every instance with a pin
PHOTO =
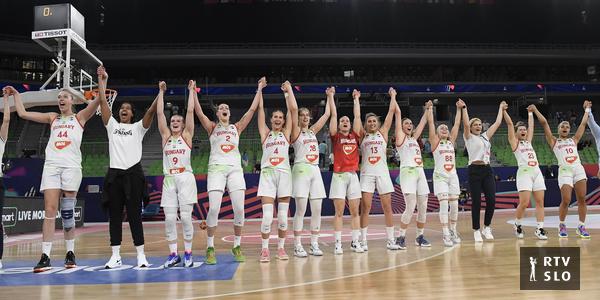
x=298, y=240
x=187, y=246
x=355, y=235
x=116, y=250
x=70, y=245
x=402, y=232
x=420, y=231
x=314, y=239
x=363, y=232
x=540, y=225
x=453, y=226
x=338, y=236
x=173, y=248
x=445, y=230
x=517, y=222
x=210, y=241
x=265, y=243
x=46, y=248
x=280, y=243
x=237, y=240
x=390, y=232
x=581, y=223
x=140, y=250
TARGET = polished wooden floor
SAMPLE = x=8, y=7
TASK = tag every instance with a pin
x=489, y=270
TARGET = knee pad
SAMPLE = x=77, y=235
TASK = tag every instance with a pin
x=214, y=206
x=299, y=215
x=238, y=201
x=411, y=203
x=282, y=215
x=422, y=208
x=444, y=211
x=170, y=223
x=267, y=218
x=185, y=213
x=67, y=212
x=315, y=214
x=453, y=209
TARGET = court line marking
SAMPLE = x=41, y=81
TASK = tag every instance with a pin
x=323, y=280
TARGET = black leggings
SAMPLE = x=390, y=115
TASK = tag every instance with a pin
x=117, y=200
x=1, y=208
x=481, y=179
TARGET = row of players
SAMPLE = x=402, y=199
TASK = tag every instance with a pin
x=124, y=181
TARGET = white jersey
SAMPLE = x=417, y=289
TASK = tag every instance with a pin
x=410, y=153
x=373, y=148
x=224, y=142
x=177, y=156
x=275, y=152
x=63, y=148
x=444, y=157
x=306, y=148
x=566, y=152
x=525, y=154
x=2, y=146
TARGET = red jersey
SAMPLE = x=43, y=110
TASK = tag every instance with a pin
x=345, y=152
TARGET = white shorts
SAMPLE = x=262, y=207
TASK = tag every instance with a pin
x=383, y=183
x=307, y=182
x=345, y=185
x=274, y=183
x=221, y=176
x=570, y=175
x=530, y=179
x=66, y=179
x=179, y=189
x=413, y=181
x=446, y=183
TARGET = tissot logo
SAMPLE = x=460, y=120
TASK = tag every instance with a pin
x=120, y=131
x=549, y=268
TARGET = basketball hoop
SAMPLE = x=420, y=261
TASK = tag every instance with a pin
x=111, y=95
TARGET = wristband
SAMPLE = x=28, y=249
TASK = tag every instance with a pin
x=530, y=114
x=587, y=110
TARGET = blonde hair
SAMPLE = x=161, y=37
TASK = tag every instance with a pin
x=368, y=115
x=301, y=109
x=473, y=121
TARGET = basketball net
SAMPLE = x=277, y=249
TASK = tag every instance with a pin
x=111, y=95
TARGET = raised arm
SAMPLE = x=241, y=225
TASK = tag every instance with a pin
x=291, y=118
x=593, y=125
x=90, y=110
x=189, y=117
x=102, y=82
x=387, y=123
x=333, y=121
x=423, y=121
x=357, y=126
x=149, y=115
x=465, y=121
x=323, y=119
x=547, y=132
x=5, y=118
x=29, y=115
x=204, y=120
x=530, y=123
x=433, y=137
x=400, y=135
x=512, y=139
x=496, y=125
x=247, y=117
x=456, y=127
x=160, y=112
x=263, y=130
x=581, y=129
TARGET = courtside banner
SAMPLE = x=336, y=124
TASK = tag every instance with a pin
x=26, y=214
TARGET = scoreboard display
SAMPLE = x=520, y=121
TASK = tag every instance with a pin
x=58, y=16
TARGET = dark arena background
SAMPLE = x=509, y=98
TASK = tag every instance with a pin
x=524, y=52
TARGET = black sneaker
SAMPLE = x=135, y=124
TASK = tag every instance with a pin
x=43, y=265
x=70, y=260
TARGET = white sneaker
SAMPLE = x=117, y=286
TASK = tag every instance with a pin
x=477, y=236
x=338, y=249
x=487, y=233
x=299, y=251
x=142, y=262
x=364, y=245
x=314, y=250
x=113, y=262
x=518, y=231
x=540, y=233
x=356, y=247
x=455, y=237
x=447, y=238
x=391, y=245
